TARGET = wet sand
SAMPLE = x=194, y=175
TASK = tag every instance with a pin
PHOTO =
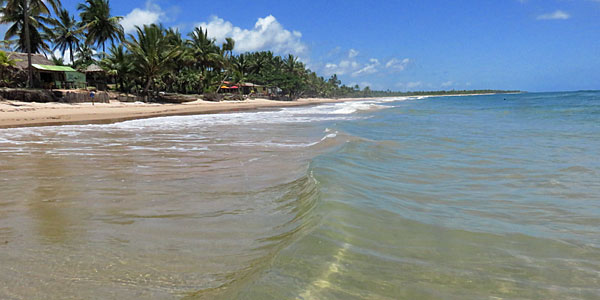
x=23, y=114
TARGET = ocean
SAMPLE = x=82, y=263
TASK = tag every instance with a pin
x=464, y=197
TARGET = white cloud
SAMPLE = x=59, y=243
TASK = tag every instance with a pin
x=557, y=15
x=152, y=13
x=341, y=68
x=410, y=85
x=369, y=68
x=397, y=64
x=66, y=58
x=267, y=34
x=366, y=84
x=349, y=65
x=448, y=83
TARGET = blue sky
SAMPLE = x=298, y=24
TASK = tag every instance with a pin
x=533, y=45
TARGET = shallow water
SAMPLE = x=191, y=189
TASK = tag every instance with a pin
x=455, y=198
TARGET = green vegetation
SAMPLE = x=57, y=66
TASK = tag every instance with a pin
x=6, y=65
x=157, y=59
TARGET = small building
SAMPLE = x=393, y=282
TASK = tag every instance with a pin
x=251, y=88
x=96, y=76
x=246, y=88
x=48, y=75
x=61, y=77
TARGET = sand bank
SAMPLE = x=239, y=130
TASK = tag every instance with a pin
x=22, y=114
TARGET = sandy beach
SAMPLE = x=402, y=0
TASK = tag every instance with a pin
x=23, y=114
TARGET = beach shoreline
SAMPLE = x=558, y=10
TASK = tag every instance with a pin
x=15, y=114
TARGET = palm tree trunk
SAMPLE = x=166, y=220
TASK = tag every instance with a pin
x=27, y=43
x=147, y=87
x=71, y=52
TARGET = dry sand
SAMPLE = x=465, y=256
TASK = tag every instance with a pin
x=22, y=114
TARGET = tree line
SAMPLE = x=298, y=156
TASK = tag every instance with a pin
x=154, y=58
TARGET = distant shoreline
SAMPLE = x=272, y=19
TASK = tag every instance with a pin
x=27, y=114
x=14, y=114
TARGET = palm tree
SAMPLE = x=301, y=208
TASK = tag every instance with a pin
x=38, y=32
x=84, y=56
x=260, y=61
x=27, y=8
x=292, y=65
x=99, y=25
x=59, y=61
x=151, y=53
x=117, y=64
x=204, y=49
x=6, y=62
x=229, y=45
x=66, y=33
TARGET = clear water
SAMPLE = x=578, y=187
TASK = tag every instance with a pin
x=470, y=197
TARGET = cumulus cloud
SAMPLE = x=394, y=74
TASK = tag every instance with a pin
x=152, y=13
x=267, y=34
x=397, y=64
x=66, y=58
x=348, y=65
x=341, y=68
x=557, y=15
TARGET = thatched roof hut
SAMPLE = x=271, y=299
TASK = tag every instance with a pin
x=21, y=59
x=94, y=68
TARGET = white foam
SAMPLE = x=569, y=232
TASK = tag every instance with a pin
x=189, y=128
x=330, y=136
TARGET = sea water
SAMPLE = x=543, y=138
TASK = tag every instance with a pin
x=470, y=197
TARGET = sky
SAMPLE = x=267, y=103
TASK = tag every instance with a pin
x=530, y=45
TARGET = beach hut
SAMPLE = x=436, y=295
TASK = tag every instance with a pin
x=21, y=60
x=251, y=88
x=228, y=87
x=96, y=76
x=51, y=76
x=46, y=74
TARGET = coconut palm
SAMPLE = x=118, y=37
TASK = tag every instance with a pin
x=228, y=46
x=59, y=61
x=25, y=9
x=292, y=65
x=260, y=61
x=84, y=56
x=66, y=33
x=6, y=62
x=117, y=64
x=204, y=50
x=37, y=21
x=98, y=24
x=151, y=53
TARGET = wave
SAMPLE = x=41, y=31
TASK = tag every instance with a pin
x=300, y=201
